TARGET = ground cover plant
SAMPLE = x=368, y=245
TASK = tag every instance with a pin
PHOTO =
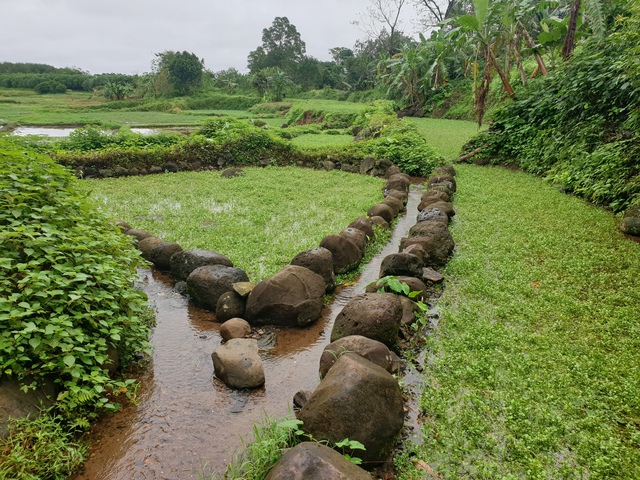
x=533, y=372
x=260, y=220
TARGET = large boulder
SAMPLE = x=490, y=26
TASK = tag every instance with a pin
x=205, y=284
x=438, y=251
x=292, y=297
x=379, y=222
x=382, y=210
x=395, y=204
x=372, y=350
x=346, y=254
x=162, y=253
x=372, y=315
x=185, y=262
x=314, y=461
x=356, y=236
x=443, y=243
x=357, y=400
x=230, y=305
x=319, y=260
x=146, y=245
x=398, y=264
x=238, y=364
x=366, y=225
x=399, y=181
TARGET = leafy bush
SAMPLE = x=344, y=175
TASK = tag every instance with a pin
x=579, y=126
x=50, y=86
x=66, y=291
x=91, y=138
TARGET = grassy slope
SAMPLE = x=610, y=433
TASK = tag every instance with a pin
x=534, y=370
x=446, y=136
x=260, y=221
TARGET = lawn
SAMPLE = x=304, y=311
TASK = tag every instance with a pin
x=534, y=370
x=446, y=136
x=260, y=220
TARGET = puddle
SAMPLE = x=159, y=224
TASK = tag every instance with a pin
x=60, y=132
x=188, y=424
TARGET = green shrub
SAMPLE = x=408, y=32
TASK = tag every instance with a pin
x=66, y=290
x=50, y=86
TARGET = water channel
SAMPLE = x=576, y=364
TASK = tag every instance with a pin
x=186, y=421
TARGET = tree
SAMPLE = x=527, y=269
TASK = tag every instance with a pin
x=117, y=90
x=282, y=47
x=434, y=12
x=385, y=13
x=185, y=72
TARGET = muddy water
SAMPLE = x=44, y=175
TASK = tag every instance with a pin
x=187, y=422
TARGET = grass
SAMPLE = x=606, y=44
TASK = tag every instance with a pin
x=322, y=140
x=534, y=371
x=446, y=136
x=38, y=448
x=260, y=220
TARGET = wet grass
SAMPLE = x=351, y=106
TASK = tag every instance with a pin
x=446, y=136
x=534, y=371
x=320, y=141
x=260, y=220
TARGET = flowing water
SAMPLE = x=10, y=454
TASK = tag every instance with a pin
x=187, y=422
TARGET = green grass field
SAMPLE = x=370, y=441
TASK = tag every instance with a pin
x=534, y=370
x=446, y=136
x=260, y=220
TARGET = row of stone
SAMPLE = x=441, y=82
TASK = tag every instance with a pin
x=358, y=398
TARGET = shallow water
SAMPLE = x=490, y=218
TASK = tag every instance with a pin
x=187, y=422
x=60, y=132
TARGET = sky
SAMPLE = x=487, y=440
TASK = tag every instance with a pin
x=121, y=36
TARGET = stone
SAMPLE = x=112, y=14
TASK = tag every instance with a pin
x=446, y=207
x=301, y=398
x=443, y=188
x=366, y=225
x=161, y=254
x=395, y=204
x=398, y=182
x=409, y=311
x=346, y=254
x=185, y=262
x=372, y=315
x=440, y=179
x=319, y=260
x=630, y=223
x=238, y=364
x=171, y=167
x=445, y=170
x=205, y=284
x=328, y=165
x=314, y=461
x=398, y=194
x=433, y=215
x=415, y=285
x=379, y=221
x=372, y=350
x=229, y=305
x=15, y=403
x=122, y=225
x=243, y=288
x=398, y=264
x=356, y=236
x=292, y=297
x=138, y=234
x=357, y=400
x=392, y=170
x=147, y=245
x=382, y=210
x=155, y=169
x=367, y=165
x=418, y=251
x=430, y=275
x=438, y=251
x=435, y=194
x=234, y=328
x=232, y=172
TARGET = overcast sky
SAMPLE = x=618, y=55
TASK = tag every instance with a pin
x=121, y=36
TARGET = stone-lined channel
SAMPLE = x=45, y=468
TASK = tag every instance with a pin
x=187, y=422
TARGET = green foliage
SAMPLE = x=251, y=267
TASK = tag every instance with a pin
x=185, y=72
x=117, y=90
x=50, y=86
x=66, y=293
x=91, y=138
x=282, y=47
x=579, y=126
x=40, y=447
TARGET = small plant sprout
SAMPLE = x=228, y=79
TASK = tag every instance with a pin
x=347, y=444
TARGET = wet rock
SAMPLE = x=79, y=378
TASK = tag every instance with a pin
x=346, y=254
x=170, y=167
x=433, y=215
x=238, y=364
x=439, y=179
x=106, y=173
x=431, y=276
x=138, y=234
x=446, y=207
x=438, y=251
x=357, y=400
x=372, y=315
x=328, y=165
x=443, y=188
x=418, y=251
x=430, y=194
x=234, y=328
x=380, y=222
x=123, y=226
x=356, y=236
x=399, y=181
x=319, y=260
x=398, y=264
x=243, y=288
x=409, y=311
x=147, y=245
x=292, y=297
x=630, y=223
x=205, y=284
x=185, y=262
x=232, y=172
x=391, y=171
x=397, y=194
x=382, y=210
x=443, y=243
x=301, y=398
x=314, y=461
x=161, y=254
x=374, y=351
x=229, y=305
x=155, y=169
x=366, y=225
x=415, y=285
x=15, y=403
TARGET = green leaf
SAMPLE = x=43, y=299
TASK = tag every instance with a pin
x=481, y=8
x=468, y=22
x=34, y=342
x=69, y=360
